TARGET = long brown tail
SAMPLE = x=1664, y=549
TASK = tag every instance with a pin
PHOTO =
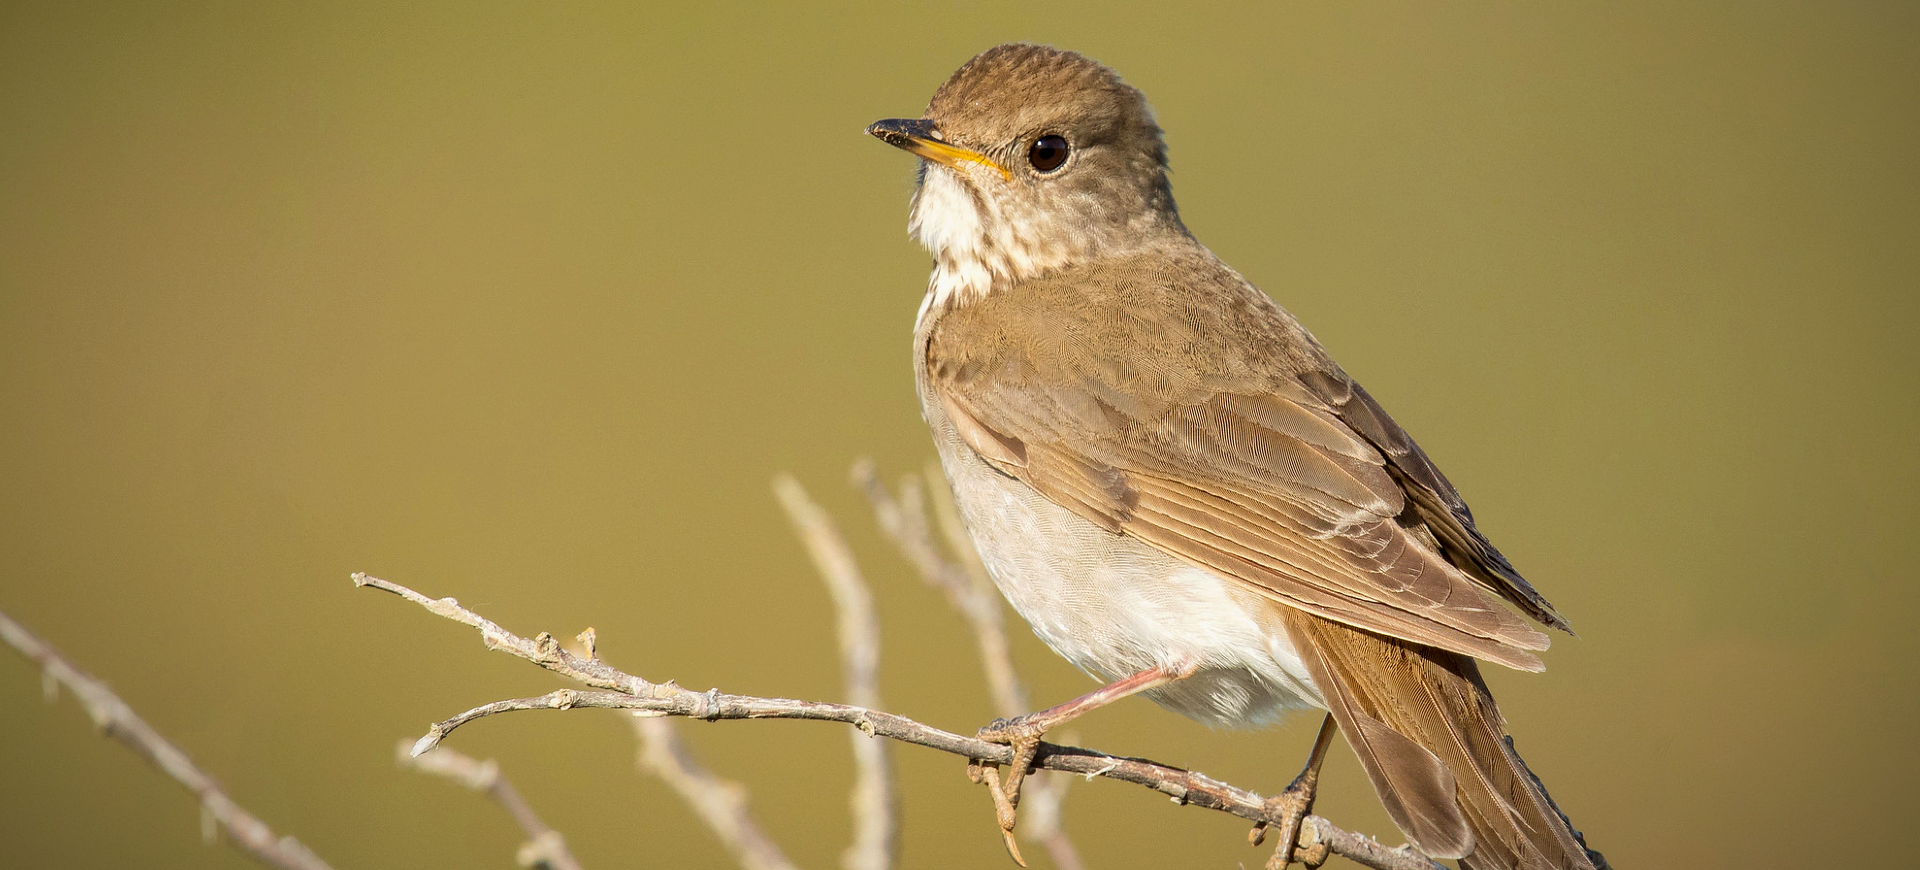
x=1428, y=733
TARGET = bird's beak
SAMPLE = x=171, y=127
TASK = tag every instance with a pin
x=921, y=137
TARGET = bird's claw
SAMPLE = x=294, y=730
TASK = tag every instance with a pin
x=1023, y=736
x=1287, y=810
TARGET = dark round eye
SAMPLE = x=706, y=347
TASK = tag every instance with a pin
x=1047, y=153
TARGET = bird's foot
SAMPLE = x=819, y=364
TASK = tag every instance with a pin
x=1023, y=735
x=1289, y=809
x=1286, y=811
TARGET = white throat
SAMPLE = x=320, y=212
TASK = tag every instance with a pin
x=976, y=243
x=946, y=219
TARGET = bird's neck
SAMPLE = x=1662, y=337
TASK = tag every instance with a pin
x=982, y=244
x=973, y=243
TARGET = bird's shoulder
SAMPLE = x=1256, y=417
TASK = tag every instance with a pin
x=1188, y=327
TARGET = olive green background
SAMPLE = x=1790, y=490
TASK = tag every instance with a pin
x=526, y=303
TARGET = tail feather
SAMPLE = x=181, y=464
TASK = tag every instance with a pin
x=1434, y=745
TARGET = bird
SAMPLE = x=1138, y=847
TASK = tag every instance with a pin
x=1171, y=480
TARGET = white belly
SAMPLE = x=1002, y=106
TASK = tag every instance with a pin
x=1114, y=606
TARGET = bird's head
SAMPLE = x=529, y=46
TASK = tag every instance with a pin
x=1033, y=158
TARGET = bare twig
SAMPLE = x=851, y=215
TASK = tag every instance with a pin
x=967, y=588
x=629, y=692
x=544, y=849
x=113, y=717
x=874, y=830
x=971, y=592
x=721, y=804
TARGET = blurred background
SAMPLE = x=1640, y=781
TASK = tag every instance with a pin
x=526, y=304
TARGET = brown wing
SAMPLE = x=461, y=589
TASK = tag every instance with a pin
x=1431, y=498
x=1203, y=440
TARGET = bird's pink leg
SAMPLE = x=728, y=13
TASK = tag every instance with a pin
x=1023, y=733
x=1292, y=806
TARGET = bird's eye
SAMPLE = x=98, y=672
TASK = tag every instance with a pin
x=1047, y=153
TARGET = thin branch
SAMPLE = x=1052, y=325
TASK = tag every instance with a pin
x=544, y=849
x=971, y=592
x=874, y=830
x=721, y=804
x=904, y=520
x=112, y=715
x=667, y=699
